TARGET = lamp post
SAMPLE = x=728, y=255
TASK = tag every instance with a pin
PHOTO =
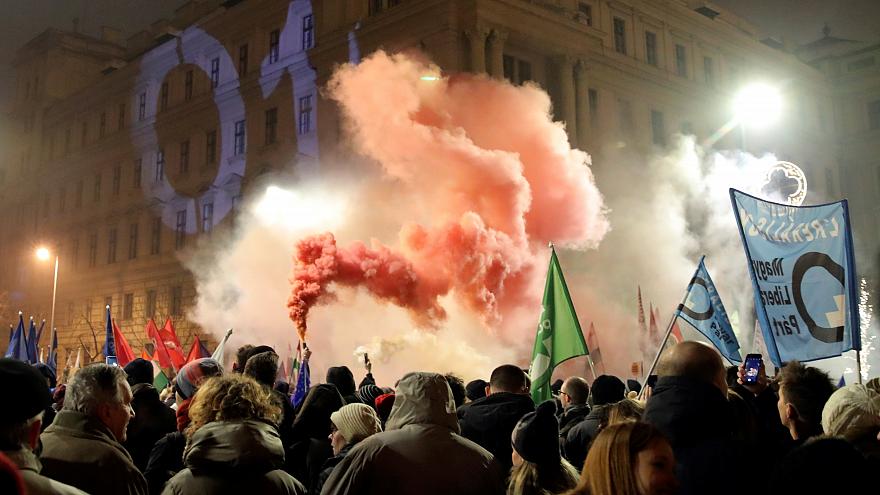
x=44, y=255
x=757, y=105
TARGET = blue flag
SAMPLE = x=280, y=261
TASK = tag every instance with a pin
x=703, y=309
x=52, y=360
x=303, y=382
x=18, y=345
x=32, y=343
x=803, y=275
x=109, y=349
x=40, y=332
x=841, y=383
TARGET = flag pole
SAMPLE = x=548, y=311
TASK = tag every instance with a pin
x=592, y=368
x=659, y=351
x=859, y=365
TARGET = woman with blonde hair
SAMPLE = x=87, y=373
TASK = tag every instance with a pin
x=628, y=459
x=233, y=442
x=538, y=467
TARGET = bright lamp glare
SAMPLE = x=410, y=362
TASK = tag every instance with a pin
x=43, y=254
x=430, y=77
x=295, y=211
x=758, y=105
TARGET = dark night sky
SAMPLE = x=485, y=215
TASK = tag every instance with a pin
x=801, y=20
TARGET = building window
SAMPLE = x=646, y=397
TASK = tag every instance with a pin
x=619, y=35
x=593, y=101
x=127, y=306
x=375, y=7
x=271, y=125
x=84, y=137
x=137, y=170
x=874, y=115
x=207, y=217
x=681, y=61
x=585, y=13
x=117, y=179
x=120, y=116
x=156, y=236
x=709, y=71
x=62, y=200
x=184, y=158
x=142, y=106
x=188, y=86
x=176, y=300
x=516, y=70
x=160, y=166
x=651, y=48
x=163, y=97
x=67, y=141
x=625, y=117
x=151, y=304
x=239, y=142
x=80, y=187
x=305, y=114
x=111, y=246
x=215, y=72
x=96, y=193
x=102, y=125
x=180, y=230
x=274, y=38
x=93, y=250
x=210, y=147
x=133, y=241
x=308, y=30
x=658, y=129
x=242, y=60
x=75, y=251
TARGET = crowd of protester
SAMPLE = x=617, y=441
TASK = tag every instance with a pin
x=698, y=430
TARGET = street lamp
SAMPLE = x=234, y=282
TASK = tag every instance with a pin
x=43, y=254
x=758, y=105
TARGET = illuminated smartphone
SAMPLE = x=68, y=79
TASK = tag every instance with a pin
x=752, y=367
x=111, y=360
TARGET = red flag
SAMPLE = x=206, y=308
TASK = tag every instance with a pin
x=653, y=331
x=195, y=350
x=161, y=352
x=676, y=333
x=642, y=325
x=172, y=344
x=147, y=357
x=124, y=353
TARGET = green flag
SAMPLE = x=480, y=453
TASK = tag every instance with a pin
x=160, y=380
x=559, y=335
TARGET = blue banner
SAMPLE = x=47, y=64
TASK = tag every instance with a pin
x=702, y=308
x=803, y=275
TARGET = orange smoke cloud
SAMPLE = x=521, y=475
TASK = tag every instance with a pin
x=494, y=175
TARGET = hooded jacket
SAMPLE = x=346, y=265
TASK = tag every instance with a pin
x=421, y=450
x=310, y=445
x=490, y=421
x=80, y=451
x=698, y=421
x=234, y=457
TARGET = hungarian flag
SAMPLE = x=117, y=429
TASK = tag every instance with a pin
x=197, y=350
x=160, y=352
x=160, y=380
x=124, y=352
x=559, y=336
x=593, y=345
x=172, y=344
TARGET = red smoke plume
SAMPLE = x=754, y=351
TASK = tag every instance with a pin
x=486, y=161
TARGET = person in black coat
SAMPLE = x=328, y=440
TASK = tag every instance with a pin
x=607, y=389
x=310, y=444
x=152, y=419
x=573, y=396
x=263, y=368
x=689, y=406
x=490, y=421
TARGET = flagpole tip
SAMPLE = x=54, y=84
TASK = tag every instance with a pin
x=20, y=313
x=550, y=244
x=108, y=306
x=32, y=318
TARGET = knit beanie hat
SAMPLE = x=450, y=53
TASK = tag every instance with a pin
x=475, y=389
x=368, y=393
x=24, y=391
x=384, y=403
x=607, y=389
x=536, y=437
x=191, y=376
x=851, y=409
x=139, y=370
x=356, y=421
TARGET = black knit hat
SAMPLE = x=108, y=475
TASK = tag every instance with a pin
x=607, y=389
x=139, y=370
x=24, y=389
x=476, y=389
x=368, y=393
x=536, y=436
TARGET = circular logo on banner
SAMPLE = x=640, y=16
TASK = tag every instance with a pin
x=788, y=180
x=804, y=263
x=705, y=315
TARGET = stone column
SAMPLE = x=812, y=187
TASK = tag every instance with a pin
x=565, y=65
x=477, y=38
x=496, y=53
x=582, y=99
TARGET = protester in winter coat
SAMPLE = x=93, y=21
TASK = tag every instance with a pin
x=573, y=396
x=456, y=384
x=263, y=368
x=152, y=420
x=234, y=446
x=420, y=451
x=629, y=459
x=166, y=458
x=343, y=379
x=538, y=466
x=310, y=446
x=20, y=424
x=83, y=446
x=351, y=424
x=853, y=412
x=803, y=392
x=689, y=406
x=823, y=465
x=607, y=389
x=489, y=421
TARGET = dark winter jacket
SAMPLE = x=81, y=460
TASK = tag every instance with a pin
x=328, y=467
x=420, y=451
x=572, y=416
x=152, y=420
x=234, y=457
x=490, y=421
x=579, y=437
x=699, y=423
x=80, y=451
x=166, y=460
x=310, y=445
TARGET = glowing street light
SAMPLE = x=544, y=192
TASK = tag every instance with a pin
x=758, y=105
x=43, y=254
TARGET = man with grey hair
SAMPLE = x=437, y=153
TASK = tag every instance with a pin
x=83, y=445
x=20, y=420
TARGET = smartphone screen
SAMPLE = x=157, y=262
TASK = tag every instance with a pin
x=752, y=367
x=111, y=360
x=652, y=381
